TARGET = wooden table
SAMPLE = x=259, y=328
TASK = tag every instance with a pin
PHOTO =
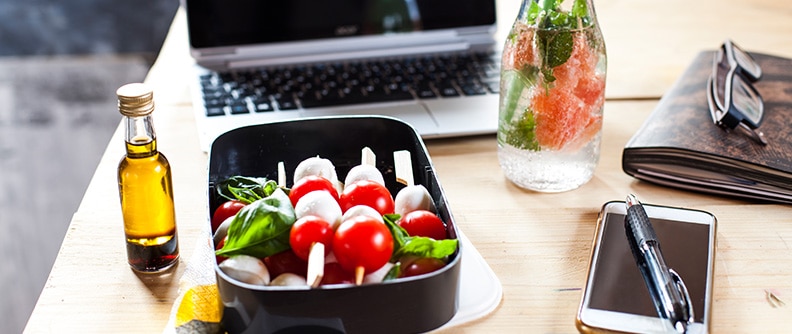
x=537, y=244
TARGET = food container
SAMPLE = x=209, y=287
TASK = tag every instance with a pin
x=405, y=305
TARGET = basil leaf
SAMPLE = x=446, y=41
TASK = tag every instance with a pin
x=404, y=245
x=393, y=273
x=400, y=236
x=246, y=189
x=261, y=228
x=428, y=247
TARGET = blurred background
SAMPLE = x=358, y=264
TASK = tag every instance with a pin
x=60, y=64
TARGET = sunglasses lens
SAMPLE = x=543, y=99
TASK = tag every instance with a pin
x=720, y=74
x=747, y=101
x=748, y=65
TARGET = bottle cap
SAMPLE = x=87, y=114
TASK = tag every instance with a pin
x=135, y=99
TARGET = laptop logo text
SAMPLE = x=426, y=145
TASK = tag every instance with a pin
x=346, y=30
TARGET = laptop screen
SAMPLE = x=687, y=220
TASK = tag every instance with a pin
x=219, y=23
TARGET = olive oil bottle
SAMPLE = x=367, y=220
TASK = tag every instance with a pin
x=145, y=187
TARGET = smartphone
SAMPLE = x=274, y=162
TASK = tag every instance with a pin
x=616, y=298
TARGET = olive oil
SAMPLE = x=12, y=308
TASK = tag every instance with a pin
x=145, y=186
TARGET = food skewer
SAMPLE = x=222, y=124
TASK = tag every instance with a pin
x=281, y=174
x=403, y=162
x=412, y=197
x=367, y=170
x=315, y=265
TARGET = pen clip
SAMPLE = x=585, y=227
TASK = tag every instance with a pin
x=684, y=292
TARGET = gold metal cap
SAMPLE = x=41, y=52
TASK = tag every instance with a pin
x=135, y=99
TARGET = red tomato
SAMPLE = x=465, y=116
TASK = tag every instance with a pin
x=334, y=274
x=285, y=262
x=309, y=230
x=362, y=241
x=369, y=193
x=224, y=211
x=421, y=266
x=423, y=223
x=220, y=258
x=308, y=184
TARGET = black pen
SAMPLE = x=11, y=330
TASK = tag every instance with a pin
x=668, y=292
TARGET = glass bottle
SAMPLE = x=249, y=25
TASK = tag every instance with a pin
x=145, y=187
x=552, y=93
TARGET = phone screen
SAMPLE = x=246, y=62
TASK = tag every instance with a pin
x=617, y=284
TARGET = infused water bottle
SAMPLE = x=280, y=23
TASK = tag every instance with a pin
x=552, y=93
x=145, y=187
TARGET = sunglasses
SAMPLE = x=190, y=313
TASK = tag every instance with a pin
x=732, y=98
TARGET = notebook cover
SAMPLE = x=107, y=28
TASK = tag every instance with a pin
x=680, y=130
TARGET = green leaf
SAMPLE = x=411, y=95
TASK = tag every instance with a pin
x=246, y=189
x=428, y=247
x=393, y=273
x=555, y=45
x=405, y=245
x=532, y=13
x=522, y=133
x=580, y=8
x=261, y=228
x=400, y=235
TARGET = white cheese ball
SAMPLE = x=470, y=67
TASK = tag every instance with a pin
x=412, y=198
x=321, y=204
x=378, y=275
x=316, y=166
x=288, y=279
x=361, y=210
x=222, y=230
x=246, y=269
x=364, y=172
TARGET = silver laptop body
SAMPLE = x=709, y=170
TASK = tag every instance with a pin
x=445, y=114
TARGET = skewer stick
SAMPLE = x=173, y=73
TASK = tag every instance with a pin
x=404, y=172
x=315, y=265
x=281, y=175
x=367, y=157
x=360, y=272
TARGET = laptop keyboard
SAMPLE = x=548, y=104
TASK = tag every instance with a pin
x=336, y=84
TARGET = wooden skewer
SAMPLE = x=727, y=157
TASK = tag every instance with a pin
x=315, y=265
x=281, y=175
x=367, y=157
x=404, y=172
x=360, y=272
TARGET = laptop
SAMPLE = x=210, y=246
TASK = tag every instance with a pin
x=431, y=63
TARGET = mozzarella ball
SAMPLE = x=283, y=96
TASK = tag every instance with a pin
x=321, y=204
x=222, y=230
x=361, y=210
x=364, y=172
x=246, y=269
x=413, y=198
x=316, y=166
x=288, y=279
x=378, y=275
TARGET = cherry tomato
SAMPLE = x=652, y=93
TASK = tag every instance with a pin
x=309, y=230
x=423, y=223
x=220, y=258
x=362, y=242
x=334, y=274
x=286, y=262
x=369, y=193
x=421, y=266
x=308, y=184
x=224, y=211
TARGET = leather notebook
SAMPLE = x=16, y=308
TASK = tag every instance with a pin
x=680, y=146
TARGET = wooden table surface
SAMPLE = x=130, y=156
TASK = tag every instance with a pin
x=537, y=244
